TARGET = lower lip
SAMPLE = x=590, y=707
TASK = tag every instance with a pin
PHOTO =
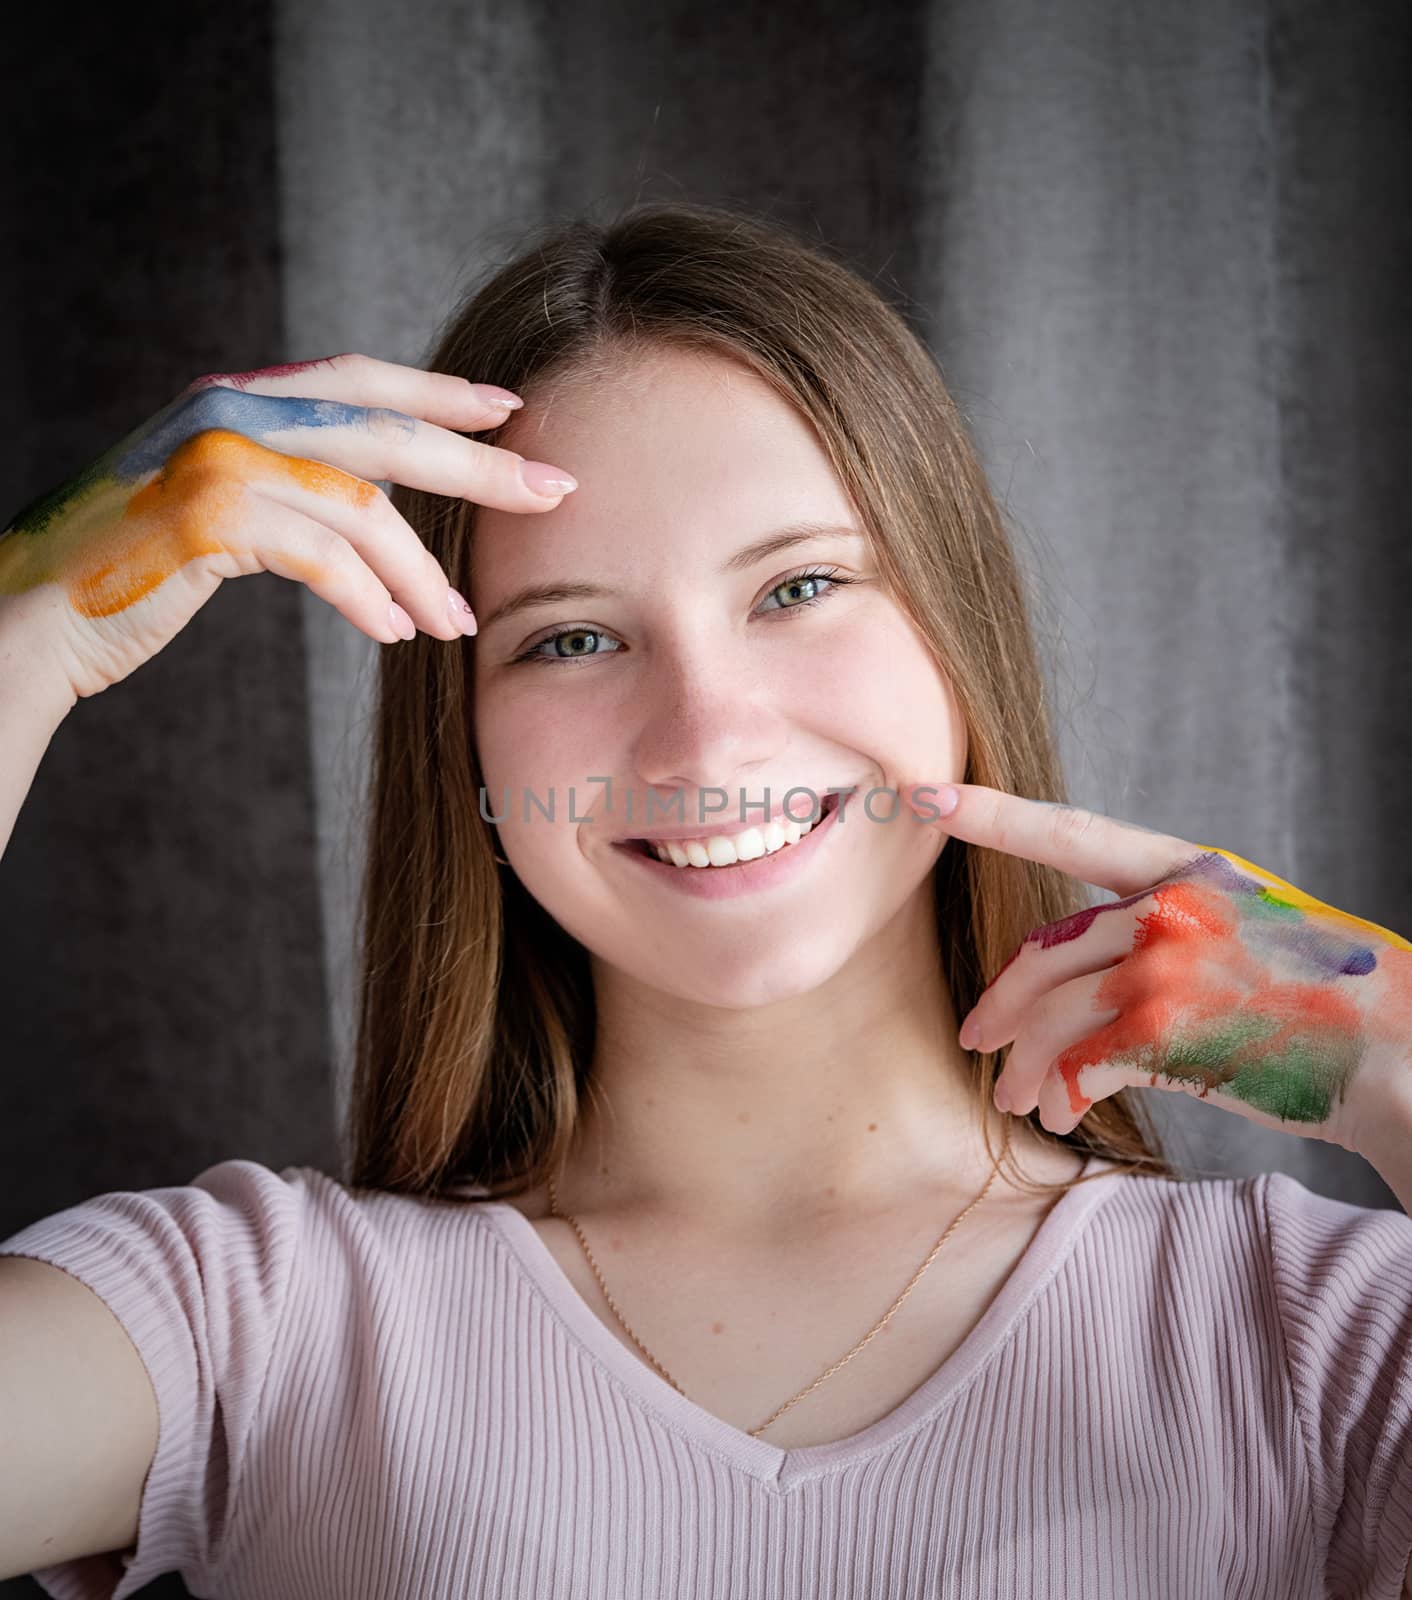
x=745, y=877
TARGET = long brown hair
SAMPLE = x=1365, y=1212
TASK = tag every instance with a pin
x=477, y=1018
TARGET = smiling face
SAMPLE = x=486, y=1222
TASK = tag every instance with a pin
x=691, y=674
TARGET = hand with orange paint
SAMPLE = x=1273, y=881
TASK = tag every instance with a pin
x=268, y=471
x=1208, y=975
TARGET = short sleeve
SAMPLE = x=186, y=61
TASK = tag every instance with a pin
x=1342, y=1277
x=198, y=1276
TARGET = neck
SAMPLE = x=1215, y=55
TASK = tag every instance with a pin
x=849, y=1100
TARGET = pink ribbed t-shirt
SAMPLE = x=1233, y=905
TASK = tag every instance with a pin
x=1183, y=1389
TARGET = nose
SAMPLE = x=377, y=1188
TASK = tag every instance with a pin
x=708, y=722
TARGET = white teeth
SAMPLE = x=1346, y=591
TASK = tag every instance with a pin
x=721, y=851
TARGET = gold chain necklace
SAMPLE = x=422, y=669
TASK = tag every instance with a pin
x=828, y=1372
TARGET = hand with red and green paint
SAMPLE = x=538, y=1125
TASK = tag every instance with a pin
x=270, y=471
x=1208, y=975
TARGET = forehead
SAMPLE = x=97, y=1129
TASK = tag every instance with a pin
x=673, y=396
x=678, y=447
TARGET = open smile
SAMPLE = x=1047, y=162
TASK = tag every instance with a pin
x=739, y=877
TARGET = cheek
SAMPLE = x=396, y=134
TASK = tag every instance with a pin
x=883, y=694
x=547, y=745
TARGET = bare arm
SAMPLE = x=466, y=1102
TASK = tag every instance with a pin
x=78, y=1418
x=78, y=1421
x=32, y=705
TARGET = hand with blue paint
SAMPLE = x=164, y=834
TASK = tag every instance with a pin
x=278, y=471
x=1207, y=975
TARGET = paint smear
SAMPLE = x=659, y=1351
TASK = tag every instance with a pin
x=177, y=490
x=1243, y=983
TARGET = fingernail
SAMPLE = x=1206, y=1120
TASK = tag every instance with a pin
x=970, y=1034
x=947, y=799
x=402, y=624
x=547, y=480
x=461, y=613
x=1001, y=1097
x=493, y=395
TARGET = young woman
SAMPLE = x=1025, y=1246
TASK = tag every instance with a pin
x=688, y=1242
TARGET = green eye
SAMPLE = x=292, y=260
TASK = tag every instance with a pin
x=576, y=650
x=803, y=580
x=807, y=580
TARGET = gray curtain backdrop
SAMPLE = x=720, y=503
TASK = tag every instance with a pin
x=1161, y=252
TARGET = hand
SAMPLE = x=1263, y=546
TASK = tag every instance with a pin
x=106, y=569
x=1208, y=975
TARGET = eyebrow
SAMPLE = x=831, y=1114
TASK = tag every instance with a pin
x=545, y=594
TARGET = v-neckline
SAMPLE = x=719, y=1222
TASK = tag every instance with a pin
x=768, y=1462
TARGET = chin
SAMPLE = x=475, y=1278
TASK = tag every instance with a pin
x=743, y=981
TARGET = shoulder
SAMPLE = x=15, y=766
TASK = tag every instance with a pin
x=228, y=1253
x=1190, y=1253
x=1320, y=1262
x=1175, y=1217
x=1313, y=1236
x=1269, y=1219
x=197, y=1273
x=223, y=1214
x=1265, y=1239
x=1341, y=1277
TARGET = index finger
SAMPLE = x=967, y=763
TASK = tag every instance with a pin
x=440, y=397
x=1122, y=856
x=373, y=419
